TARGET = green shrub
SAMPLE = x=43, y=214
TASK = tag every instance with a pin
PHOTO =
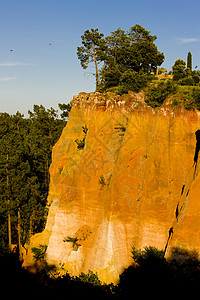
x=196, y=97
x=120, y=127
x=81, y=143
x=102, y=181
x=39, y=252
x=150, y=254
x=159, y=92
x=186, y=81
x=74, y=241
x=111, y=78
x=90, y=277
x=132, y=81
x=190, y=97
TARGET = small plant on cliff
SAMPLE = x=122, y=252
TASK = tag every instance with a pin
x=120, y=127
x=74, y=241
x=39, y=252
x=102, y=181
x=85, y=129
x=81, y=143
x=90, y=277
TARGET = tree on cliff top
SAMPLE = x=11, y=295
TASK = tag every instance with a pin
x=130, y=58
x=122, y=53
x=179, y=69
x=91, y=50
x=184, y=75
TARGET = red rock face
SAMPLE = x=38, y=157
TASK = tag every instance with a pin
x=130, y=179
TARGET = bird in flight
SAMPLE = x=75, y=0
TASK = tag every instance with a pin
x=11, y=50
x=50, y=44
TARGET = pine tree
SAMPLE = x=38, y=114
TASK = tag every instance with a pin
x=25, y=156
x=91, y=51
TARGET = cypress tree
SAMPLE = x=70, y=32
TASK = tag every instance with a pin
x=189, y=61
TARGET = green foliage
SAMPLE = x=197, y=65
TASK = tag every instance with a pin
x=91, y=41
x=25, y=147
x=65, y=108
x=90, y=277
x=183, y=75
x=109, y=78
x=81, y=143
x=102, y=181
x=189, y=97
x=196, y=98
x=130, y=81
x=39, y=252
x=179, y=69
x=85, y=129
x=186, y=81
x=196, y=76
x=189, y=61
x=151, y=273
x=158, y=93
x=127, y=58
x=92, y=49
x=120, y=127
x=149, y=254
x=74, y=241
x=184, y=95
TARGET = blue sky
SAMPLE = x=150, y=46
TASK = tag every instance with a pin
x=37, y=73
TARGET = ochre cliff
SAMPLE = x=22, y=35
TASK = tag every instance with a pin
x=133, y=182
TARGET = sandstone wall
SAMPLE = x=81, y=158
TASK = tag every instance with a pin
x=135, y=183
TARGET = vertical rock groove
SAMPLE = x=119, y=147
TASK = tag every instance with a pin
x=184, y=198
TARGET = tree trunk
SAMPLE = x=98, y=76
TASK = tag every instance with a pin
x=96, y=67
x=46, y=174
x=31, y=226
x=9, y=227
x=19, y=234
x=9, y=219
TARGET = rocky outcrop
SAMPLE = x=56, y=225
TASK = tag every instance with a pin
x=122, y=175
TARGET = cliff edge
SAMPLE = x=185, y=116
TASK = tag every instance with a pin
x=122, y=175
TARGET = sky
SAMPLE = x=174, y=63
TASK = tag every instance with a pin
x=38, y=73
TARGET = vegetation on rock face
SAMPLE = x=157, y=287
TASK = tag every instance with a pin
x=102, y=181
x=39, y=252
x=74, y=241
x=81, y=143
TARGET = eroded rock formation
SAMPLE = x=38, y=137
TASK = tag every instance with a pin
x=122, y=175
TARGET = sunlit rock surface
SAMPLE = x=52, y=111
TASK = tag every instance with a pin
x=133, y=182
